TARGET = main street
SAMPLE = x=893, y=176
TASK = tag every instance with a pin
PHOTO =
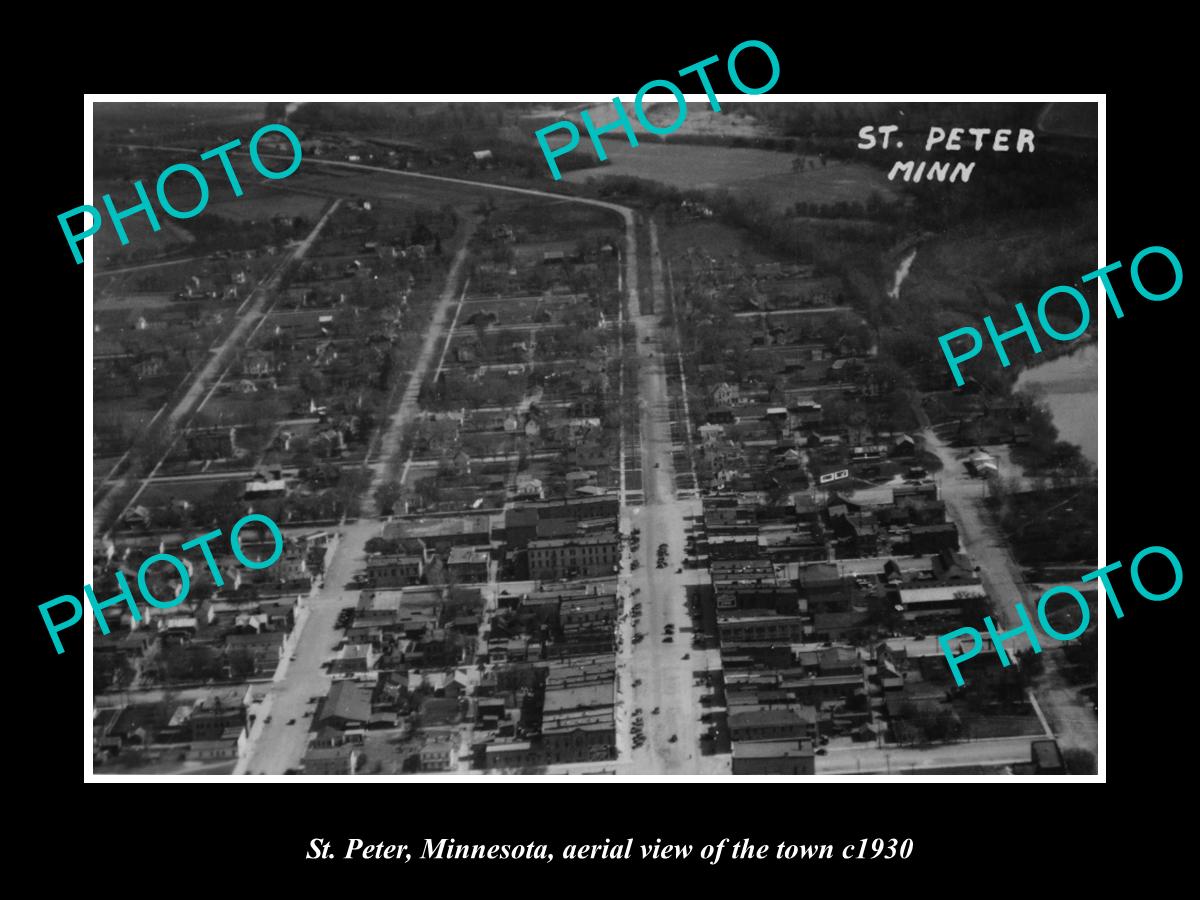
x=667, y=678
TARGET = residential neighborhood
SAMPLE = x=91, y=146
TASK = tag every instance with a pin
x=606, y=479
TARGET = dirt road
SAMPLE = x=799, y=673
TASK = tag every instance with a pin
x=1073, y=722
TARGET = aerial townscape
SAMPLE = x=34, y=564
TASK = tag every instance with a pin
x=654, y=470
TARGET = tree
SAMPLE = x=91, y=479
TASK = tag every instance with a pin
x=1031, y=664
x=312, y=383
x=387, y=495
x=241, y=663
x=381, y=545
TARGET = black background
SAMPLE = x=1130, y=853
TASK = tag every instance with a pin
x=964, y=833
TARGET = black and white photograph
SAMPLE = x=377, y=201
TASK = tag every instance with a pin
x=703, y=434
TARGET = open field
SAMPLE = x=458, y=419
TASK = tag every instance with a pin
x=766, y=174
x=265, y=201
x=383, y=187
x=731, y=121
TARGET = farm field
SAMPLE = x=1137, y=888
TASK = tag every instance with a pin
x=731, y=121
x=762, y=173
x=264, y=201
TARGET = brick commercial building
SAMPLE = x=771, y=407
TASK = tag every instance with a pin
x=388, y=570
x=773, y=757
x=576, y=557
x=753, y=625
x=767, y=725
x=466, y=565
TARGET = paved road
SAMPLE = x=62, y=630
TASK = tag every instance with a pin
x=1073, y=722
x=667, y=679
x=277, y=746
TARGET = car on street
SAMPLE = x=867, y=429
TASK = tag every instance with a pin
x=673, y=738
x=291, y=721
x=668, y=639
